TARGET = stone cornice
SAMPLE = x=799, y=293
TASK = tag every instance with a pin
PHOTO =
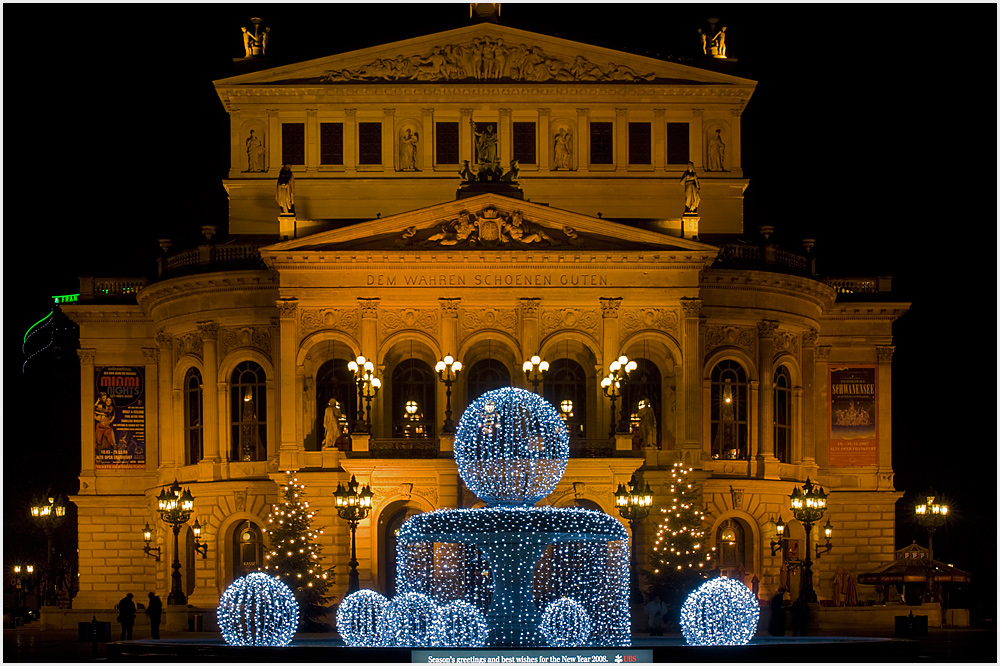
x=207, y=283
x=100, y=313
x=740, y=280
x=866, y=311
x=642, y=260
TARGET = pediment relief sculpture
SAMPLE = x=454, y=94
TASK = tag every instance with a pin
x=487, y=59
x=489, y=228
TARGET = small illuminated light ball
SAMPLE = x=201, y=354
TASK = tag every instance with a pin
x=410, y=620
x=720, y=612
x=511, y=447
x=258, y=609
x=358, y=618
x=565, y=623
x=462, y=625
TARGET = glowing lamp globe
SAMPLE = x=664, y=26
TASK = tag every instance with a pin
x=565, y=623
x=358, y=618
x=720, y=612
x=258, y=609
x=511, y=447
x=411, y=620
x=462, y=625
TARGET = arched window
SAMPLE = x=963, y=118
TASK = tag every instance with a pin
x=486, y=375
x=643, y=388
x=730, y=418
x=732, y=552
x=566, y=388
x=782, y=414
x=335, y=382
x=193, y=415
x=413, y=406
x=248, y=412
x=248, y=549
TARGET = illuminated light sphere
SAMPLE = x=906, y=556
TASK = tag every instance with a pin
x=565, y=623
x=720, y=612
x=511, y=447
x=258, y=609
x=411, y=620
x=358, y=618
x=462, y=625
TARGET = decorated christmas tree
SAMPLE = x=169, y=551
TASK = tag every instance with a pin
x=295, y=556
x=680, y=559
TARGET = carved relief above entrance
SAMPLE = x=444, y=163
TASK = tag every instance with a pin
x=330, y=318
x=731, y=336
x=635, y=319
x=390, y=321
x=572, y=318
x=471, y=321
x=489, y=227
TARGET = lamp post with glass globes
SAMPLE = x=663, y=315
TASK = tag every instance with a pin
x=612, y=387
x=368, y=386
x=534, y=372
x=20, y=574
x=931, y=516
x=49, y=514
x=808, y=507
x=353, y=506
x=175, y=505
x=633, y=505
x=447, y=370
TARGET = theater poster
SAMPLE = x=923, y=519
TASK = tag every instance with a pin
x=853, y=416
x=120, y=417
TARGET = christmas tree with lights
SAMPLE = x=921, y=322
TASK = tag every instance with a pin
x=680, y=559
x=294, y=557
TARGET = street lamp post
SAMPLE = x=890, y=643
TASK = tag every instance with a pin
x=808, y=507
x=633, y=505
x=20, y=573
x=175, y=506
x=368, y=386
x=353, y=507
x=612, y=386
x=447, y=371
x=931, y=516
x=534, y=372
x=49, y=514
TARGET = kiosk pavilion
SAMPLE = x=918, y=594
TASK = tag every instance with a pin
x=490, y=194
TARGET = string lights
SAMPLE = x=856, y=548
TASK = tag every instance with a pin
x=720, y=612
x=258, y=609
x=462, y=625
x=410, y=620
x=680, y=539
x=565, y=623
x=358, y=618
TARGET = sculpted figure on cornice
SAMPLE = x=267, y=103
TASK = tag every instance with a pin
x=255, y=337
x=634, y=319
x=571, y=318
x=487, y=59
x=314, y=319
x=731, y=336
x=393, y=320
x=488, y=228
x=471, y=321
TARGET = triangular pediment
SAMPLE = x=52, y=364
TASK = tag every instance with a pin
x=490, y=221
x=485, y=53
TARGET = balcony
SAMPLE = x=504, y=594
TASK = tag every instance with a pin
x=861, y=288
x=404, y=448
x=109, y=289
x=209, y=258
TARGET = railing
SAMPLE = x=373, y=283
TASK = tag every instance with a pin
x=94, y=289
x=763, y=256
x=592, y=448
x=866, y=286
x=212, y=257
x=404, y=448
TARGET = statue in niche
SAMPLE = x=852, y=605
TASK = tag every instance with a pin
x=717, y=153
x=563, y=150
x=331, y=424
x=408, y=151
x=692, y=189
x=255, y=153
x=486, y=146
x=286, y=190
x=647, y=424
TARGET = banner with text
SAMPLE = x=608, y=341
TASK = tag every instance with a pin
x=120, y=417
x=853, y=416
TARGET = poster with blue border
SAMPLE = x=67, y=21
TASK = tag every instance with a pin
x=120, y=417
x=853, y=416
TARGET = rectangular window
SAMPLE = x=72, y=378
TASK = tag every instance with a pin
x=293, y=143
x=640, y=143
x=331, y=143
x=446, y=143
x=678, y=143
x=602, y=143
x=524, y=143
x=369, y=143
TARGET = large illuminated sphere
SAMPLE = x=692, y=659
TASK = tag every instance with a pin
x=565, y=623
x=462, y=625
x=358, y=618
x=411, y=620
x=258, y=609
x=511, y=447
x=720, y=612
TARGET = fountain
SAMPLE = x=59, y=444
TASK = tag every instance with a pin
x=511, y=560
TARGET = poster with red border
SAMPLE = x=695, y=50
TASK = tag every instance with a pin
x=120, y=417
x=853, y=416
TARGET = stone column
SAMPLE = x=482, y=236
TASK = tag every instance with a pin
x=689, y=396
x=767, y=463
x=312, y=139
x=350, y=140
x=465, y=151
x=621, y=139
x=821, y=451
x=696, y=139
x=389, y=139
x=808, y=430
x=884, y=407
x=87, y=400
x=162, y=435
x=214, y=410
x=544, y=139
x=505, y=130
x=237, y=152
x=609, y=352
x=291, y=451
x=427, y=139
x=530, y=327
x=582, y=148
x=659, y=138
x=273, y=145
x=734, y=158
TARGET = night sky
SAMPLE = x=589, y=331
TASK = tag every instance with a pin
x=872, y=130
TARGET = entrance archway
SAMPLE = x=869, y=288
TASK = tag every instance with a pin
x=388, y=529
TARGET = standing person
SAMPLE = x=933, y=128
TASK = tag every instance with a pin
x=776, y=627
x=800, y=617
x=654, y=613
x=153, y=611
x=126, y=616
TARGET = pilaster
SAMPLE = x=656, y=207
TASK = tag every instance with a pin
x=237, y=145
x=273, y=146
x=884, y=379
x=465, y=136
x=312, y=139
x=87, y=401
x=427, y=123
x=659, y=138
x=291, y=451
x=161, y=436
x=583, y=141
x=609, y=352
x=621, y=139
x=696, y=140
x=821, y=451
x=530, y=326
x=767, y=463
x=388, y=139
x=809, y=400
x=211, y=404
x=689, y=398
x=736, y=141
x=544, y=139
x=350, y=140
x=506, y=132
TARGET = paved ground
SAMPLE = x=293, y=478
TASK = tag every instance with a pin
x=31, y=644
